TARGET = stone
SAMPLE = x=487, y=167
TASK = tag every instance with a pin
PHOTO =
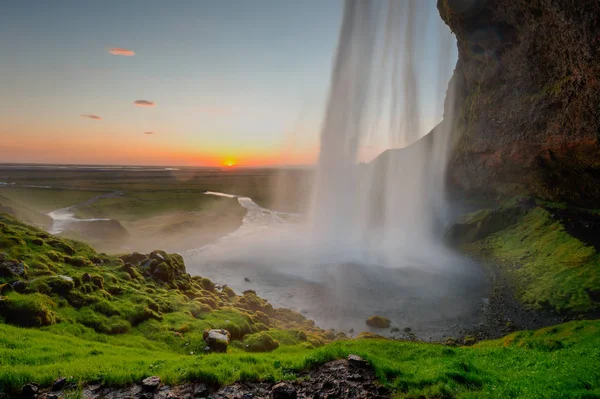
x=86, y=277
x=59, y=384
x=284, y=390
x=151, y=384
x=217, y=340
x=378, y=322
x=246, y=279
x=20, y=285
x=357, y=361
x=12, y=268
x=30, y=390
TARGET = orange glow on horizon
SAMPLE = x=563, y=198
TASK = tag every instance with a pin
x=229, y=163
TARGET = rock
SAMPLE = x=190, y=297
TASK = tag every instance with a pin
x=6, y=288
x=52, y=395
x=469, y=340
x=217, y=340
x=134, y=258
x=357, y=361
x=151, y=384
x=13, y=268
x=246, y=279
x=59, y=384
x=86, y=277
x=201, y=390
x=378, y=322
x=20, y=285
x=526, y=106
x=284, y=390
x=30, y=390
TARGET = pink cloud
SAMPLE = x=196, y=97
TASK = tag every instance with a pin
x=149, y=133
x=121, y=51
x=95, y=117
x=144, y=103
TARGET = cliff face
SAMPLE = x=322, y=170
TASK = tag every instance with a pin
x=527, y=114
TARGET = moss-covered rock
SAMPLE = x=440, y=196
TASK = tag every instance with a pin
x=260, y=342
x=378, y=322
x=33, y=310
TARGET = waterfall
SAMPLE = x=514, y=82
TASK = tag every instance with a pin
x=383, y=88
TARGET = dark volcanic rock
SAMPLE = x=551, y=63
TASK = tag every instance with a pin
x=339, y=379
x=527, y=111
x=151, y=384
x=12, y=268
x=284, y=390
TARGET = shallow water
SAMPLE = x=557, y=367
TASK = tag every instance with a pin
x=434, y=295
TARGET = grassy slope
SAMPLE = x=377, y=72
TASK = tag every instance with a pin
x=47, y=199
x=22, y=212
x=557, y=362
x=131, y=327
x=141, y=204
x=549, y=268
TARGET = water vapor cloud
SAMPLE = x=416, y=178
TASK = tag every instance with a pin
x=121, y=51
x=89, y=116
x=149, y=133
x=144, y=103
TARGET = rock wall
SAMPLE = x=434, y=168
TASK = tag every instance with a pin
x=527, y=83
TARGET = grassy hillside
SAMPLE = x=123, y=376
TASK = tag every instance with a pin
x=22, y=212
x=548, y=267
x=557, y=362
x=69, y=311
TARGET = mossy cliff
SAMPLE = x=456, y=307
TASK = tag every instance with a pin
x=527, y=109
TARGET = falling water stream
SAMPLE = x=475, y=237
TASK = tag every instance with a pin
x=371, y=244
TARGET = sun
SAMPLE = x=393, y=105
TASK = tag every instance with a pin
x=229, y=163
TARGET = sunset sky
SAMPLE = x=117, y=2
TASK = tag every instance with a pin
x=148, y=82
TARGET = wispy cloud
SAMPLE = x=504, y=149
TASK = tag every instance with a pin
x=121, y=51
x=144, y=103
x=149, y=133
x=96, y=117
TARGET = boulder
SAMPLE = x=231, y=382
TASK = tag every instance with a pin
x=283, y=390
x=59, y=384
x=378, y=322
x=13, y=268
x=151, y=384
x=30, y=391
x=217, y=340
x=20, y=285
x=357, y=361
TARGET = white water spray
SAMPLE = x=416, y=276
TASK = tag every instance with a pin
x=370, y=244
x=387, y=209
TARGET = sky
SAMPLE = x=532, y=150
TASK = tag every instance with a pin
x=154, y=82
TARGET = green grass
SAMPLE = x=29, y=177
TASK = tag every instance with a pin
x=550, y=269
x=141, y=204
x=47, y=199
x=556, y=362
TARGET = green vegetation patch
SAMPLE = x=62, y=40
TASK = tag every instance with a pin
x=549, y=268
x=556, y=362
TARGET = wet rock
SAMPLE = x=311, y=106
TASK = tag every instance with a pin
x=378, y=322
x=20, y=286
x=357, y=361
x=217, y=340
x=151, y=384
x=12, y=268
x=284, y=391
x=59, y=384
x=30, y=390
